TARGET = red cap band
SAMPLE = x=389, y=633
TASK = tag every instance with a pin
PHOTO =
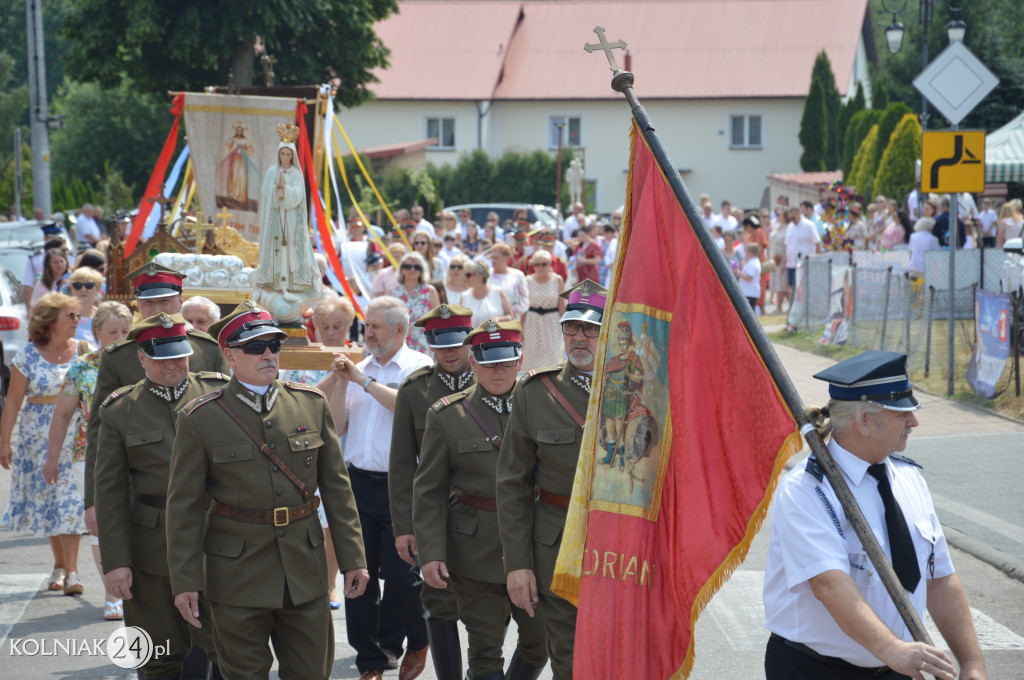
x=452, y=321
x=175, y=331
x=238, y=322
x=165, y=278
x=497, y=336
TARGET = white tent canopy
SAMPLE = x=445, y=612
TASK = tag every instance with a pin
x=1004, y=152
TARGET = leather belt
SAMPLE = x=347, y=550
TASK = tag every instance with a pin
x=279, y=517
x=372, y=474
x=488, y=504
x=554, y=499
x=152, y=501
x=41, y=400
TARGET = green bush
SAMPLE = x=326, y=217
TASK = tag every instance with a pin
x=864, y=164
x=858, y=128
x=895, y=175
x=891, y=117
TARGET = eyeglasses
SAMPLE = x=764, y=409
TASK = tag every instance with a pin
x=74, y=316
x=412, y=267
x=420, y=243
x=503, y=364
x=590, y=330
x=455, y=267
x=469, y=274
x=258, y=347
x=79, y=285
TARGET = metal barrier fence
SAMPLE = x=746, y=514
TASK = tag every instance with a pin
x=875, y=302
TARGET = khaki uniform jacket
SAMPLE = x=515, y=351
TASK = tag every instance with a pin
x=540, y=449
x=417, y=394
x=245, y=564
x=120, y=367
x=457, y=454
x=134, y=456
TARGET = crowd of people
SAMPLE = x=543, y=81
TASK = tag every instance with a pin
x=434, y=475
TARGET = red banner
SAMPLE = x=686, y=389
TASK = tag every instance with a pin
x=685, y=441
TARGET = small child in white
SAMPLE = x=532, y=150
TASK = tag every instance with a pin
x=750, y=275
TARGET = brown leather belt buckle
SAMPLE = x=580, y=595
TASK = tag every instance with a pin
x=278, y=513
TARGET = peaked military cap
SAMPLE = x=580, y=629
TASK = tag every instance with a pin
x=585, y=302
x=153, y=280
x=246, y=322
x=162, y=336
x=875, y=376
x=446, y=325
x=494, y=341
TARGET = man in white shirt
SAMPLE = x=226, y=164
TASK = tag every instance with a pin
x=725, y=218
x=802, y=240
x=573, y=222
x=708, y=213
x=422, y=224
x=914, y=203
x=87, y=232
x=367, y=417
x=987, y=218
x=966, y=207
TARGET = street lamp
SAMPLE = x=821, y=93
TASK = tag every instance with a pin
x=895, y=31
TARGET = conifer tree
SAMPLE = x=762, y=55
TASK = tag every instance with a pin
x=814, y=130
x=895, y=176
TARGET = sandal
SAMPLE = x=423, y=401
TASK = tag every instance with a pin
x=72, y=586
x=57, y=579
x=114, y=611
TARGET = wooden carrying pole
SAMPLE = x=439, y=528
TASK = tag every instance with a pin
x=622, y=81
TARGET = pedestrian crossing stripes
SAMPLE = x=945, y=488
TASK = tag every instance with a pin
x=16, y=591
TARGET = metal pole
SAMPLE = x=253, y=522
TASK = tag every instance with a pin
x=885, y=307
x=907, y=310
x=952, y=237
x=925, y=13
x=558, y=172
x=853, y=305
x=930, y=320
x=1015, y=336
x=807, y=294
x=17, y=172
x=622, y=81
x=38, y=110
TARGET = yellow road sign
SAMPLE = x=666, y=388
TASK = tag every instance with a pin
x=953, y=161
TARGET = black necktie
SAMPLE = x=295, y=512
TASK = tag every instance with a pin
x=904, y=557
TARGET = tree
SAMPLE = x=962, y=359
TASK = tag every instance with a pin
x=189, y=44
x=895, y=175
x=120, y=126
x=890, y=119
x=13, y=106
x=814, y=130
x=880, y=97
x=864, y=164
x=846, y=112
x=822, y=71
x=858, y=128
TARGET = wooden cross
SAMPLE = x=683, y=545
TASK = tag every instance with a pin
x=606, y=47
x=224, y=215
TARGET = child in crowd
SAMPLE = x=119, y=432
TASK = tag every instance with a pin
x=750, y=275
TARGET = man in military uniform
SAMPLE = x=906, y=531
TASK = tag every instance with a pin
x=454, y=512
x=445, y=328
x=260, y=448
x=539, y=451
x=157, y=290
x=135, y=441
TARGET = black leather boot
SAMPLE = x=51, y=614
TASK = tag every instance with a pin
x=520, y=670
x=445, y=649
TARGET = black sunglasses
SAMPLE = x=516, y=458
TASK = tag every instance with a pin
x=455, y=266
x=258, y=347
x=79, y=285
x=420, y=243
x=415, y=267
x=590, y=330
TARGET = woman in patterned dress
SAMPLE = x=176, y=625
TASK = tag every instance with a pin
x=542, y=334
x=37, y=372
x=111, y=322
x=418, y=295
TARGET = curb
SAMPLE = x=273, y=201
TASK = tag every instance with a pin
x=1008, y=564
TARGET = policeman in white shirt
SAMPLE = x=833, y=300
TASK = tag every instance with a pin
x=366, y=413
x=829, y=614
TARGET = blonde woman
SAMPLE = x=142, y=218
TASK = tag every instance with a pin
x=542, y=334
x=1010, y=221
x=455, y=282
x=110, y=323
x=86, y=287
x=486, y=301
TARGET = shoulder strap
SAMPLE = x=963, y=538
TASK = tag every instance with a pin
x=495, y=439
x=563, y=402
x=265, y=448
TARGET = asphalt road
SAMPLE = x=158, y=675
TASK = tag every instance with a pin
x=973, y=462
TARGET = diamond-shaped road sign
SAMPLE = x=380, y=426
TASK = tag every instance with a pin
x=955, y=82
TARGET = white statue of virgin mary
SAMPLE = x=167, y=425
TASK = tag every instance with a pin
x=287, y=278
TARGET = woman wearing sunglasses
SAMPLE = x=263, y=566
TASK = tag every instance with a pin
x=486, y=301
x=423, y=246
x=418, y=295
x=86, y=286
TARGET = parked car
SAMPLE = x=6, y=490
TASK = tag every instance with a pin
x=21, y=240
x=540, y=215
x=13, y=323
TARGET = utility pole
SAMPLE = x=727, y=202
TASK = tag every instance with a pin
x=38, y=110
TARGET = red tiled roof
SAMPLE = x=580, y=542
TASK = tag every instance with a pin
x=679, y=49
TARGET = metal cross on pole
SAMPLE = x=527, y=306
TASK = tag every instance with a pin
x=606, y=47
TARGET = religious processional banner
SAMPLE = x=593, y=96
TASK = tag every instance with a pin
x=703, y=434
x=234, y=140
x=991, y=342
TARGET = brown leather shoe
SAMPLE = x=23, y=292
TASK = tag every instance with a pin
x=413, y=663
x=371, y=675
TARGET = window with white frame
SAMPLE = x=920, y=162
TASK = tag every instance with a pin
x=572, y=131
x=444, y=130
x=745, y=132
